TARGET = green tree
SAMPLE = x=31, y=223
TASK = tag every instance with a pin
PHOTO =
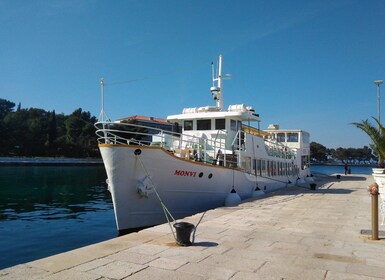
x=318, y=151
x=27, y=131
x=5, y=107
x=80, y=133
x=377, y=135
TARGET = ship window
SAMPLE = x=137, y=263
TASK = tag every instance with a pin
x=188, y=125
x=263, y=168
x=219, y=123
x=204, y=125
x=233, y=125
x=292, y=137
x=259, y=167
x=280, y=137
x=305, y=137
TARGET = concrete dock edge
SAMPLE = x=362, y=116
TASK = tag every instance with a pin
x=295, y=233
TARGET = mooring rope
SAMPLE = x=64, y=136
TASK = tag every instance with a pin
x=165, y=210
x=196, y=226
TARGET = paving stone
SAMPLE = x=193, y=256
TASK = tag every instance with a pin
x=92, y=264
x=332, y=275
x=207, y=271
x=367, y=270
x=21, y=271
x=247, y=276
x=131, y=257
x=147, y=249
x=323, y=264
x=152, y=273
x=117, y=269
x=70, y=275
x=228, y=262
x=184, y=254
x=288, y=271
x=60, y=262
x=169, y=264
x=261, y=255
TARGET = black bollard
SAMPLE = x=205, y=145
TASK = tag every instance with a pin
x=183, y=232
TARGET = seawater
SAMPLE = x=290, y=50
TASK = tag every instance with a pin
x=339, y=169
x=45, y=210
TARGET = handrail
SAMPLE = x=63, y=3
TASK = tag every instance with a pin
x=185, y=145
x=180, y=144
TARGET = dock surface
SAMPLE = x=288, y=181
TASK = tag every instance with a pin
x=296, y=233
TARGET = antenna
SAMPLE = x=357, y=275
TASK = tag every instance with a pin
x=217, y=90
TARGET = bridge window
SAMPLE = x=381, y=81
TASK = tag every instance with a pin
x=233, y=125
x=280, y=137
x=292, y=137
x=188, y=125
x=204, y=125
x=305, y=137
x=219, y=123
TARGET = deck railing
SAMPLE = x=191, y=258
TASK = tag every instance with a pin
x=186, y=146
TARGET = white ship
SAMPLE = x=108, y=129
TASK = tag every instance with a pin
x=197, y=160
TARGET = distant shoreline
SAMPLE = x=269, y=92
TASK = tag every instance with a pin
x=48, y=161
x=342, y=164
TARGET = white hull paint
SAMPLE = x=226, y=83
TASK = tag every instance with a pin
x=185, y=187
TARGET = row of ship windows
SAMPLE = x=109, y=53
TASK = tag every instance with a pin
x=274, y=168
x=290, y=137
x=206, y=124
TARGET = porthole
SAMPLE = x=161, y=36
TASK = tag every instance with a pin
x=210, y=175
x=201, y=175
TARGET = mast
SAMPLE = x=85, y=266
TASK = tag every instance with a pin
x=103, y=116
x=216, y=90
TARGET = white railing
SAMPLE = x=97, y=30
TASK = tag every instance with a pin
x=186, y=146
x=276, y=149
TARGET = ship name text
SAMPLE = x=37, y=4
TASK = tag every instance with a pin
x=185, y=173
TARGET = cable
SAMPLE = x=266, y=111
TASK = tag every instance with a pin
x=165, y=210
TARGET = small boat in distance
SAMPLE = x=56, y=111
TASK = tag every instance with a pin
x=196, y=160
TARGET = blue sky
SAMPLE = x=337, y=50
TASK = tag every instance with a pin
x=302, y=64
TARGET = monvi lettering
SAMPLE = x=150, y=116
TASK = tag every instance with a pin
x=185, y=173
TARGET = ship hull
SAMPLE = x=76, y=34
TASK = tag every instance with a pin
x=140, y=178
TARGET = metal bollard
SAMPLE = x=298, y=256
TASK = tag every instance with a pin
x=373, y=190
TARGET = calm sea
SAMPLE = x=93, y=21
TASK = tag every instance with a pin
x=339, y=169
x=45, y=210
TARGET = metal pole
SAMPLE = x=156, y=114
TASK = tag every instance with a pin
x=375, y=217
x=102, y=87
x=378, y=83
x=373, y=190
x=379, y=103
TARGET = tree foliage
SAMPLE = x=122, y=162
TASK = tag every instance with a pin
x=351, y=154
x=320, y=153
x=36, y=132
x=377, y=134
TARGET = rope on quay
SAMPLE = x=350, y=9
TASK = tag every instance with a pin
x=165, y=210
